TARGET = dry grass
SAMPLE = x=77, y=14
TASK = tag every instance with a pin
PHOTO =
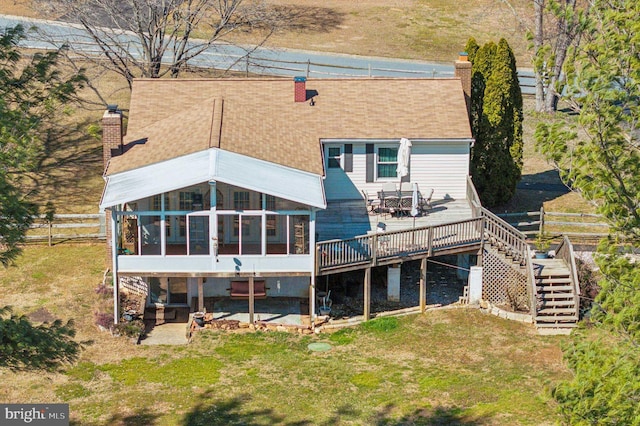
x=418, y=29
x=387, y=372
x=433, y=30
x=500, y=375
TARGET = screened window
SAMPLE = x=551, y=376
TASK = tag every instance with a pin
x=185, y=200
x=270, y=204
x=387, y=162
x=334, y=157
x=156, y=202
x=241, y=200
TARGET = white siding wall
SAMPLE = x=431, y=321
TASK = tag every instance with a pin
x=443, y=166
x=277, y=287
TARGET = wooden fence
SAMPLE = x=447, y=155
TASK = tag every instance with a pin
x=67, y=227
x=579, y=226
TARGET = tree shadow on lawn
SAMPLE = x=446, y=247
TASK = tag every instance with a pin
x=70, y=157
x=533, y=191
x=230, y=411
x=288, y=17
x=309, y=18
x=142, y=417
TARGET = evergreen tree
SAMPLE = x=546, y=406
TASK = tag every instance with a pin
x=496, y=122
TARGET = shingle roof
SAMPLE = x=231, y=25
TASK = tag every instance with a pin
x=259, y=118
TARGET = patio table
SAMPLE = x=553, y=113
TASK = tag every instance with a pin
x=397, y=202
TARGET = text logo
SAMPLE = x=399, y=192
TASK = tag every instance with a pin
x=34, y=414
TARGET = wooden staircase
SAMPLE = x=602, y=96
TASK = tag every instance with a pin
x=553, y=283
x=557, y=304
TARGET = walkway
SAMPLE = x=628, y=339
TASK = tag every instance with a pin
x=166, y=334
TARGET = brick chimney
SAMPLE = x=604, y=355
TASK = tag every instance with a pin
x=300, y=89
x=463, y=71
x=111, y=133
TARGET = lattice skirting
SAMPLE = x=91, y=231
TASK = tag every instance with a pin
x=134, y=285
x=503, y=283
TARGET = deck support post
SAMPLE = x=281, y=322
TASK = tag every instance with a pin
x=423, y=285
x=312, y=299
x=367, y=294
x=252, y=299
x=200, y=294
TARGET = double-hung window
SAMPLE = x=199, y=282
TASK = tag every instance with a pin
x=387, y=162
x=333, y=154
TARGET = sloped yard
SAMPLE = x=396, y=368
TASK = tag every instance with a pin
x=455, y=366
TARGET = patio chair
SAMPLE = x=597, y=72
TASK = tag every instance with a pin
x=390, y=198
x=425, y=203
x=373, y=204
x=406, y=198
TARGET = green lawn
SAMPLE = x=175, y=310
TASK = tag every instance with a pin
x=443, y=367
x=455, y=366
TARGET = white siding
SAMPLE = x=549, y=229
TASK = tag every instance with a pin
x=225, y=264
x=276, y=286
x=443, y=166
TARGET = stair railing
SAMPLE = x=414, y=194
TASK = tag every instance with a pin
x=565, y=252
x=533, y=294
x=505, y=236
x=473, y=198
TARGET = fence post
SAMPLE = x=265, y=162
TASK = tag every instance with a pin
x=103, y=224
x=308, y=67
x=541, y=229
x=49, y=226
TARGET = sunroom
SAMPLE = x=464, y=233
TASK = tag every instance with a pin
x=229, y=218
x=180, y=223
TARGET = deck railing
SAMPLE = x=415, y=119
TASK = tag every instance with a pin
x=375, y=248
x=565, y=251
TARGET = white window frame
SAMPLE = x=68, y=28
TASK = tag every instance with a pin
x=377, y=163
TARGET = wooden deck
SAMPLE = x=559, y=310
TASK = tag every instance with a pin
x=349, y=218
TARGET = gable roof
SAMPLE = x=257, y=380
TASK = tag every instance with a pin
x=259, y=118
x=221, y=166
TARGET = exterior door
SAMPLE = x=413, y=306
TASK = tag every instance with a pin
x=167, y=291
x=198, y=233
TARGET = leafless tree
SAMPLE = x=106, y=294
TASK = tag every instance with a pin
x=557, y=25
x=156, y=38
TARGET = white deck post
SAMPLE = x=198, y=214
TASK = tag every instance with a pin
x=114, y=266
x=252, y=299
x=393, y=283
x=200, y=294
x=475, y=285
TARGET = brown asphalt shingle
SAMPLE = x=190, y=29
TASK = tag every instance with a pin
x=259, y=118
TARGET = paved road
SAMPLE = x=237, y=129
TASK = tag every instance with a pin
x=270, y=61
